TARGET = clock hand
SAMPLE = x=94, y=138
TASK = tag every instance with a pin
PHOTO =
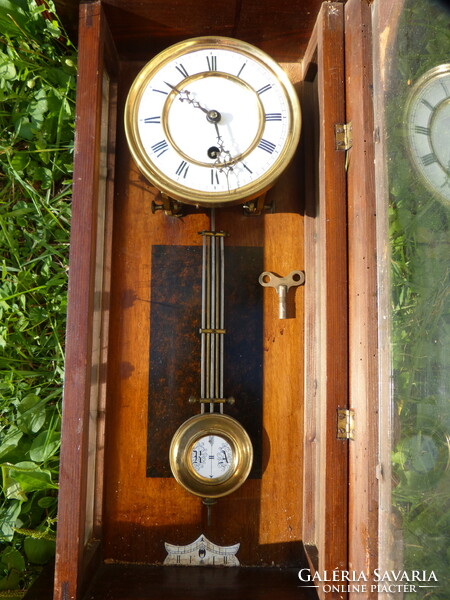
x=172, y=87
x=222, y=151
x=224, y=161
x=213, y=116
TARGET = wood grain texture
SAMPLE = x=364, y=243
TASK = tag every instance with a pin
x=142, y=513
x=85, y=300
x=325, y=523
x=312, y=332
x=144, y=27
x=175, y=313
x=201, y=583
x=105, y=494
x=363, y=316
x=333, y=283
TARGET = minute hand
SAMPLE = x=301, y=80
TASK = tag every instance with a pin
x=213, y=116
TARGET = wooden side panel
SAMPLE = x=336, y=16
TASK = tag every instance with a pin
x=78, y=515
x=333, y=286
x=363, y=326
x=325, y=523
x=310, y=151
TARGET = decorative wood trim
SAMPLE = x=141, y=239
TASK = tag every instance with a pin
x=77, y=463
x=309, y=154
x=333, y=283
x=325, y=519
x=363, y=318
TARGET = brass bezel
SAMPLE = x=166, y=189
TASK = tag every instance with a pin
x=172, y=188
x=423, y=80
x=181, y=448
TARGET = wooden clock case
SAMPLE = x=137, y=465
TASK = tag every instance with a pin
x=115, y=512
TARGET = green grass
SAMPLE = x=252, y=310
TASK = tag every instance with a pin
x=37, y=101
x=420, y=277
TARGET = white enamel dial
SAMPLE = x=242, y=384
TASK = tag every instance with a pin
x=212, y=457
x=212, y=121
x=428, y=122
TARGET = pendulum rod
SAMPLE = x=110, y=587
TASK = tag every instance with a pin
x=212, y=267
x=203, y=351
x=213, y=317
x=222, y=315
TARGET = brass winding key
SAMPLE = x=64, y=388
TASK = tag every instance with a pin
x=282, y=286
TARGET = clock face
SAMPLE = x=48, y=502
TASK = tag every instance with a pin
x=428, y=122
x=212, y=121
x=212, y=457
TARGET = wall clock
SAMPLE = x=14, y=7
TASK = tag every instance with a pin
x=428, y=129
x=212, y=121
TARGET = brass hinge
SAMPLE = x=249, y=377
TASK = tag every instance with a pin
x=345, y=424
x=343, y=136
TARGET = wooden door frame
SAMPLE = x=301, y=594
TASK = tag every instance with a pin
x=81, y=473
x=340, y=531
x=363, y=297
x=326, y=318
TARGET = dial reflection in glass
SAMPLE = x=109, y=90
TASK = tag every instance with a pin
x=428, y=121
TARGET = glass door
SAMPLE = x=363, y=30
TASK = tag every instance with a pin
x=413, y=183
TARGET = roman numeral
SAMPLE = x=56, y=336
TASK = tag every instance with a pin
x=212, y=63
x=264, y=89
x=214, y=177
x=182, y=169
x=422, y=129
x=182, y=70
x=241, y=69
x=172, y=87
x=267, y=146
x=427, y=104
x=160, y=148
x=160, y=91
x=273, y=116
x=428, y=159
x=152, y=119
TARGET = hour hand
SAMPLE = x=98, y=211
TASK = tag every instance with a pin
x=222, y=155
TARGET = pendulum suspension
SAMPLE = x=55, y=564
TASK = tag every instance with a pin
x=213, y=316
x=211, y=453
x=212, y=330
